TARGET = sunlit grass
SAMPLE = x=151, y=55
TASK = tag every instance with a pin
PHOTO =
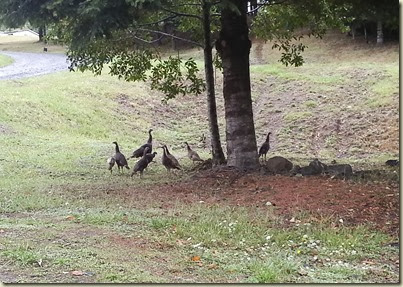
x=5, y=60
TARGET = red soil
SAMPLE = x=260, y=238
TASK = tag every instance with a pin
x=354, y=203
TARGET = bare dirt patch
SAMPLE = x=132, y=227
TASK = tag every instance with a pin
x=355, y=203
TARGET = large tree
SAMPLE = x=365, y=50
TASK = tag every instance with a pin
x=17, y=13
x=234, y=45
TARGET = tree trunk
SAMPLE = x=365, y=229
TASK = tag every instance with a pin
x=234, y=47
x=218, y=154
x=379, y=32
x=365, y=33
x=41, y=33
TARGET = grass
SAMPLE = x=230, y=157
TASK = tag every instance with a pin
x=228, y=242
x=296, y=116
x=5, y=60
x=62, y=208
x=27, y=44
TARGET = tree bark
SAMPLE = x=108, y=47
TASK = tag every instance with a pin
x=379, y=32
x=41, y=33
x=218, y=154
x=234, y=46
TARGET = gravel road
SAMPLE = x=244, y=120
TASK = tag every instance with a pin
x=32, y=64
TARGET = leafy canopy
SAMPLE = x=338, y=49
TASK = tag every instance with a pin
x=287, y=22
x=120, y=33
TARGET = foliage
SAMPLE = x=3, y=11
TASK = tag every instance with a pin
x=287, y=23
x=122, y=33
x=372, y=10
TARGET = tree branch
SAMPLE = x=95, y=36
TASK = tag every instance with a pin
x=182, y=14
x=147, y=42
x=265, y=4
x=170, y=35
x=158, y=21
x=186, y=4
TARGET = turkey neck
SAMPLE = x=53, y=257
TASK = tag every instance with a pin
x=150, y=138
x=117, y=148
x=268, y=137
x=188, y=147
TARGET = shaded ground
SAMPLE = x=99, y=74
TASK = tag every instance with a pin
x=354, y=203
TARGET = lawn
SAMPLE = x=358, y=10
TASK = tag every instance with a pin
x=64, y=218
x=5, y=60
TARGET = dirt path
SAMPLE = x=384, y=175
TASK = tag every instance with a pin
x=32, y=64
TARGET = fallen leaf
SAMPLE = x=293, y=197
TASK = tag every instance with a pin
x=368, y=262
x=302, y=272
x=212, y=266
x=195, y=258
x=181, y=242
x=77, y=273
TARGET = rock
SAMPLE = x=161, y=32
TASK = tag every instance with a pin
x=304, y=171
x=278, y=165
x=340, y=170
x=392, y=162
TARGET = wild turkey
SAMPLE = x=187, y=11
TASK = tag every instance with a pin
x=317, y=166
x=192, y=154
x=168, y=160
x=150, y=156
x=141, y=164
x=120, y=158
x=265, y=147
x=111, y=162
x=139, y=152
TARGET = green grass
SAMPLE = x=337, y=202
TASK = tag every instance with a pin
x=5, y=60
x=27, y=44
x=295, y=116
x=311, y=104
x=230, y=242
x=24, y=255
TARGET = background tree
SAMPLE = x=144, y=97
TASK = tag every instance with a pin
x=16, y=14
x=383, y=15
